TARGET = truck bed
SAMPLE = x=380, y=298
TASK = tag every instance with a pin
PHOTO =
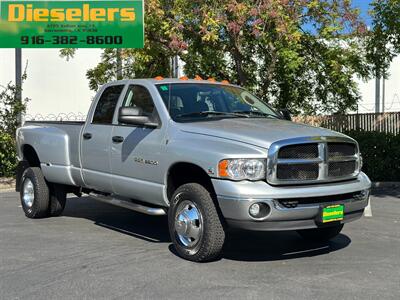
x=57, y=144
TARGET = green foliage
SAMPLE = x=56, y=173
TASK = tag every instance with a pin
x=384, y=40
x=10, y=109
x=8, y=158
x=381, y=154
x=297, y=54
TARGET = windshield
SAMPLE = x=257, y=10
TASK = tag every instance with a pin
x=195, y=102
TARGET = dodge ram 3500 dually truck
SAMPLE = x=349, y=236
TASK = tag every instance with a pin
x=210, y=155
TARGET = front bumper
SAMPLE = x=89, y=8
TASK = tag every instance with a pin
x=235, y=199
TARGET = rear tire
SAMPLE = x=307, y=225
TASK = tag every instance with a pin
x=195, y=227
x=34, y=194
x=58, y=198
x=320, y=234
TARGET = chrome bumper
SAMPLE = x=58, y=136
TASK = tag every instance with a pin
x=235, y=199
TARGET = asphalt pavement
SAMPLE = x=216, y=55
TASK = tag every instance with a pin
x=97, y=251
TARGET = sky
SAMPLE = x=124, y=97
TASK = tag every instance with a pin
x=363, y=5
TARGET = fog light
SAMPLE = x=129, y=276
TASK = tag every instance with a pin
x=254, y=210
x=259, y=210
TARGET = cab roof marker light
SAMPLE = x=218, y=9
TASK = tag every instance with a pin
x=159, y=78
x=225, y=82
x=184, y=78
x=211, y=79
x=197, y=77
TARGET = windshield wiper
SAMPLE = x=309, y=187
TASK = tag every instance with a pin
x=258, y=113
x=215, y=113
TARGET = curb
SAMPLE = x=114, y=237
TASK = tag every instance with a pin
x=386, y=184
x=7, y=184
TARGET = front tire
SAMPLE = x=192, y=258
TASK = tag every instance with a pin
x=195, y=227
x=320, y=234
x=34, y=194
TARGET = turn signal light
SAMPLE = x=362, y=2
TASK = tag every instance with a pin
x=223, y=168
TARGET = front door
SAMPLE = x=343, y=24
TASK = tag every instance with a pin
x=136, y=152
x=96, y=141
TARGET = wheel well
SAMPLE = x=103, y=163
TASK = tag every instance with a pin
x=31, y=156
x=182, y=173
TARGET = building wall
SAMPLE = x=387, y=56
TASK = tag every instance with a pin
x=392, y=91
x=54, y=85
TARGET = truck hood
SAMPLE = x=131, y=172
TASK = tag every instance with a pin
x=257, y=132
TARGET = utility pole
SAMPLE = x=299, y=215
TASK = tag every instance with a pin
x=18, y=80
x=383, y=94
x=119, y=64
x=377, y=93
x=175, y=66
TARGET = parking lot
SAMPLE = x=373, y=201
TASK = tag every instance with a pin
x=99, y=251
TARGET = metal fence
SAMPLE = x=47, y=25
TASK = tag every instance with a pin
x=378, y=122
x=57, y=117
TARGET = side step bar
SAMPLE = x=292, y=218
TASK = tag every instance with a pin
x=129, y=205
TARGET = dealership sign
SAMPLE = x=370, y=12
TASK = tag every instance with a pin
x=71, y=24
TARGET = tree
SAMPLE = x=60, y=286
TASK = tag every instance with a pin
x=10, y=109
x=384, y=40
x=299, y=54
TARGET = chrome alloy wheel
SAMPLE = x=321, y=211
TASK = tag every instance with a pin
x=188, y=224
x=28, y=193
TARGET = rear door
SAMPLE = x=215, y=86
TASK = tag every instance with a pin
x=96, y=140
x=137, y=151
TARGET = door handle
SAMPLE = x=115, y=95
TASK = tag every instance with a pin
x=87, y=136
x=117, y=139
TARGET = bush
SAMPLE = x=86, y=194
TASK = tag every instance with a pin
x=8, y=157
x=10, y=110
x=381, y=154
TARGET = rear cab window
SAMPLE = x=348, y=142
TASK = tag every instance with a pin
x=107, y=104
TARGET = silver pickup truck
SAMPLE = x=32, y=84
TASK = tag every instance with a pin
x=210, y=155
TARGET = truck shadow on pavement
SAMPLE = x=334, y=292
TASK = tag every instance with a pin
x=240, y=245
x=272, y=246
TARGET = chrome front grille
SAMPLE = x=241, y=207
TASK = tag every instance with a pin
x=297, y=171
x=341, y=168
x=299, y=151
x=312, y=160
x=341, y=149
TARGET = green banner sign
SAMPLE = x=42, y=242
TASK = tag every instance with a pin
x=71, y=24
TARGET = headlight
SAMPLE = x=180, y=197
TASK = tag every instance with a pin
x=242, y=169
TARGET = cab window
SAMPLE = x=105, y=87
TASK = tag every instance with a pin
x=105, y=108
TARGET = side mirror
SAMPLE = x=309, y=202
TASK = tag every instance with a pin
x=134, y=116
x=286, y=114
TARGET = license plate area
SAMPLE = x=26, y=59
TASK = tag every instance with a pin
x=331, y=213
